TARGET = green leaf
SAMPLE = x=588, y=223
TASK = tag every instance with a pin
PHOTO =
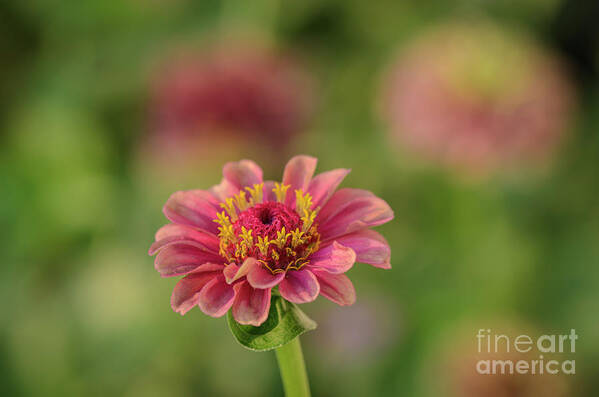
x=284, y=323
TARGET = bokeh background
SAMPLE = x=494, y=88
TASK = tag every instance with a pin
x=478, y=121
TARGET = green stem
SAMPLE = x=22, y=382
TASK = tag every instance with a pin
x=293, y=369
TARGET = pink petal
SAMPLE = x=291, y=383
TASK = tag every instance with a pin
x=195, y=208
x=223, y=190
x=175, y=233
x=370, y=247
x=233, y=272
x=186, y=293
x=350, y=210
x=334, y=258
x=297, y=174
x=268, y=194
x=336, y=287
x=260, y=277
x=299, y=286
x=323, y=185
x=251, y=305
x=216, y=297
x=179, y=259
x=243, y=173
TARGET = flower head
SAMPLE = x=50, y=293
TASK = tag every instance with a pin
x=240, y=239
x=237, y=89
x=478, y=98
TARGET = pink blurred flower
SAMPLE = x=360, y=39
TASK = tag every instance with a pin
x=478, y=98
x=302, y=242
x=236, y=89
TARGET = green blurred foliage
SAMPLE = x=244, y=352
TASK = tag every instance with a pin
x=84, y=312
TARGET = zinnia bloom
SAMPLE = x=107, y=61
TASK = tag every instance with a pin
x=240, y=239
x=478, y=98
x=236, y=89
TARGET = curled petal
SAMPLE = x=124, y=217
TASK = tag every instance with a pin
x=174, y=233
x=195, y=208
x=260, y=277
x=242, y=173
x=298, y=173
x=323, y=185
x=176, y=260
x=336, y=287
x=370, y=247
x=233, y=272
x=186, y=293
x=334, y=258
x=350, y=210
x=299, y=286
x=216, y=297
x=251, y=304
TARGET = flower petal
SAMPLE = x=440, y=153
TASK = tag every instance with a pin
x=186, y=293
x=243, y=173
x=323, y=185
x=299, y=286
x=334, y=258
x=174, y=233
x=260, y=277
x=350, y=210
x=336, y=287
x=216, y=297
x=298, y=173
x=179, y=259
x=251, y=305
x=233, y=272
x=268, y=194
x=370, y=247
x=223, y=190
x=195, y=208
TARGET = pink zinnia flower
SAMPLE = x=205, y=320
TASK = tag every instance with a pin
x=238, y=89
x=240, y=239
x=478, y=98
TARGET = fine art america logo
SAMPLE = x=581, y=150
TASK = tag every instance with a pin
x=558, y=346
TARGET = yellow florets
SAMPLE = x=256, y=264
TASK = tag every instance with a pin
x=279, y=250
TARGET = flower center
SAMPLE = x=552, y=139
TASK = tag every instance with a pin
x=278, y=236
x=266, y=219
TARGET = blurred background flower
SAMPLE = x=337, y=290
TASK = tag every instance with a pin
x=231, y=96
x=478, y=97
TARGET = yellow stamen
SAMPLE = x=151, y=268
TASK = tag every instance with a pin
x=263, y=244
x=282, y=237
x=256, y=193
x=240, y=200
x=246, y=236
x=229, y=206
x=308, y=219
x=303, y=201
x=280, y=191
x=297, y=238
